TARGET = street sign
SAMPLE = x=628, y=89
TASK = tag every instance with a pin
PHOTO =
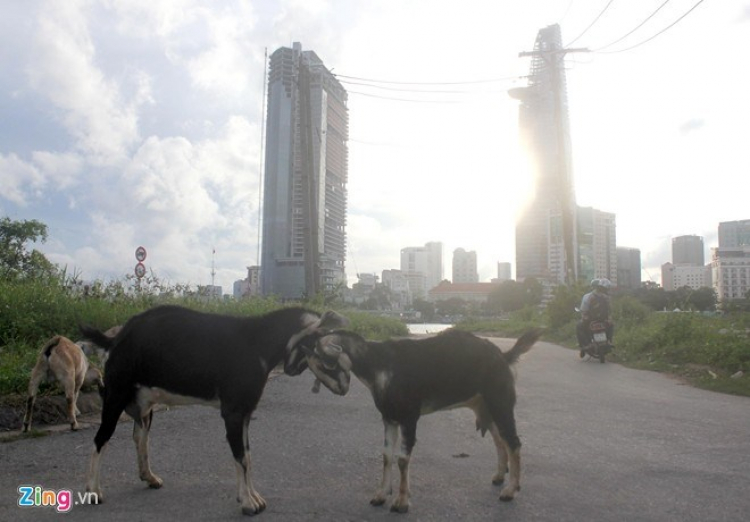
x=140, y=254
x=140, y=270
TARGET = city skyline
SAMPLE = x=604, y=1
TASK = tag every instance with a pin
x=134, y=124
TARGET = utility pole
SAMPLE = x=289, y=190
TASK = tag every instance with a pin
x=554, y=61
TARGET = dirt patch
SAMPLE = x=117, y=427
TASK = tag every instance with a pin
x=48, y=410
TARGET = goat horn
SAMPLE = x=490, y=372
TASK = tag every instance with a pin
x=332, y=349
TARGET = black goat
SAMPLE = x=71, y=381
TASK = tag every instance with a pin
x=413, y=377
x=173, y=355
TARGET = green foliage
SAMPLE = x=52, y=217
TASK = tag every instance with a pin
x=32, y=311
x=510, y=296
x=686, y=339
x=453, y=306
x=653, y=296
x=425, y=308
x=562, y=309
x=627, y=310
x=375, y=327
x=510, y=325
x=15, y=259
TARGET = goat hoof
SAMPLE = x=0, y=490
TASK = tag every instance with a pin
x=94, y=498
x=398, y=507
x=496, y=481
x=508, y=493
x=154, y=482
x=260, y=501
x=251, y=511
x=377, y=501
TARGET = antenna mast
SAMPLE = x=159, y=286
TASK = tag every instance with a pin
x=213, y=268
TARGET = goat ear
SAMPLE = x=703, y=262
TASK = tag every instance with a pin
x=332, y=320
x=327, y=348
x=329, y=320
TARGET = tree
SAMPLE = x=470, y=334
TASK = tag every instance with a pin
x=562, y=309
x=425, y=308
x=15, y=259
x=703, y=299
x=451, y=307
x=510, y=295
x=652, y=295
x=507, y=297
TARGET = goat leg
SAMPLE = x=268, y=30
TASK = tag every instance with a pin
x=408, y=439
x=391, y=439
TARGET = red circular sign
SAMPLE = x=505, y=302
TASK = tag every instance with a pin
x=140, y=270
x=140, y=253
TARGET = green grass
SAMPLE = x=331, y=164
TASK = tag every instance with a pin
x=31, y=312
x=704, y=351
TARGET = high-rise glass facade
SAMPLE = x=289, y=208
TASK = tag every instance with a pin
x=546, y=244
x=306, y=171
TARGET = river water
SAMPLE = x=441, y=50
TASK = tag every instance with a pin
x=427, y=328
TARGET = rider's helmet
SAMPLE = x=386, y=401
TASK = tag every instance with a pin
x=602, y=284
x=594, y=283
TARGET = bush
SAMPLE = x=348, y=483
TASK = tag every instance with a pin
x=32, y=311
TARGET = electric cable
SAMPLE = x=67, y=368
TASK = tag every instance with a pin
x=657, y=34
x=591, y=24
x=634, y=29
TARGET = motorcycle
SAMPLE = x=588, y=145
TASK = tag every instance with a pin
x=599, y=346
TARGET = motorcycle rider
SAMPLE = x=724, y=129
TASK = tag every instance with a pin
x=595, y=306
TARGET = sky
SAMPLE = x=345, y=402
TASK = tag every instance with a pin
x=138, y=123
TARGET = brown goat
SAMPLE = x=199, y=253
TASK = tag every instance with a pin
x=62, y=360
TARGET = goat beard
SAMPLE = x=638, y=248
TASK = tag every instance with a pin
x=336, y=379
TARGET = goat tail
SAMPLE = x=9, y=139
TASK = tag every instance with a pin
x=523, y=345
x=97, y=337
x=49, y=346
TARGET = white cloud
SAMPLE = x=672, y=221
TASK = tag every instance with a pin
x=64, y=71
x=20, y=180
x=147, y=126
x=62, y=170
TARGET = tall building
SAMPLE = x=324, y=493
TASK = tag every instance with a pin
x=503, y=271
x=597, y=244
x=730, y=268
x=688, y=250
x=674, y=276
x=628, y=268
x=733, y=234
x=427, y=261
x=398, y=284
x=546, y=244
x=465, y=266
x=306, y=169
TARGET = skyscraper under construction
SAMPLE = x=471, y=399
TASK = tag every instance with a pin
x=306, y=169
x=546, y=238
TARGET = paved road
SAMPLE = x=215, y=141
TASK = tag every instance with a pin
x=601, y=442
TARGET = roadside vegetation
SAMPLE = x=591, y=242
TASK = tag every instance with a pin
x=32, y=311
x=709, y=350
x=39, y=300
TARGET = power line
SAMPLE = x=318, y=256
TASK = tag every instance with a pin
x=657, y=34
x=469, y=82
x=591, y=24
x=392, y=98
x=634, y=29
x=417, y=90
